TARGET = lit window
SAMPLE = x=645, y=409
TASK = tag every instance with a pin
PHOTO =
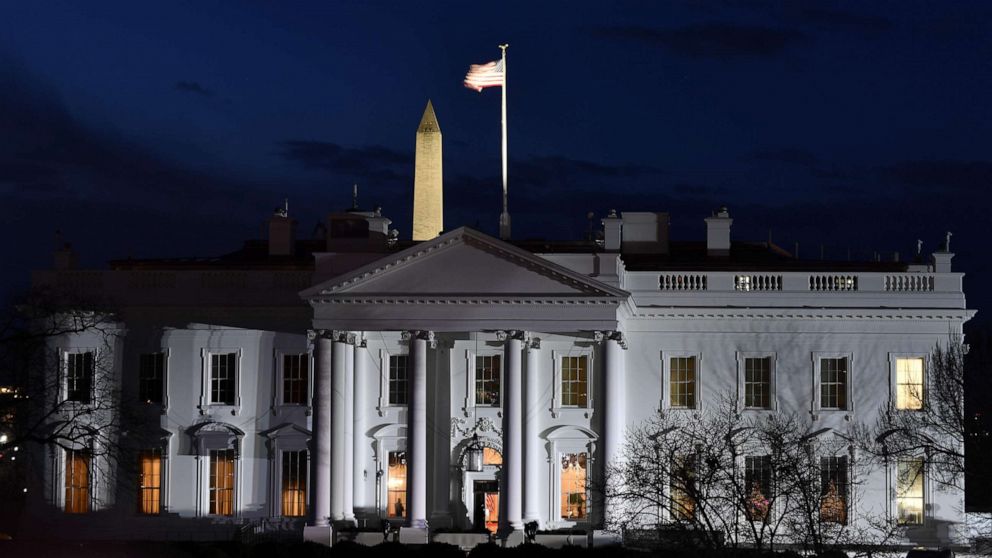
x=682, y=382
x=396, y=484
x=833, y=383
x=909, y=491
x=151, y=372
x=491, y=457
x=223, y=377
x=574, y=381
x=222, y=482
x=909, y=384
x=682, y=486
x=294, y=483
x=833, y=489
x=758, y=482
x=573, y=486
x=150, y=481
x=77, y=481
x=398, y=379
x=294, y=379
x=757, y=383
x=79, y=377
x=487, y=371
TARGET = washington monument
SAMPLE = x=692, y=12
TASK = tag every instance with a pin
x=428, y=197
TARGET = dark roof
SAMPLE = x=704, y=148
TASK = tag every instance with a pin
x=682, y=255
x=253, y=255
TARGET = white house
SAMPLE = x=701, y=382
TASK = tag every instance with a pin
x=340, y=380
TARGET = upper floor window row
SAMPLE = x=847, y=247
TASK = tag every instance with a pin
x=756, y=381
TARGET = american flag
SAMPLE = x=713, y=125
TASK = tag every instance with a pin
x=489, y=74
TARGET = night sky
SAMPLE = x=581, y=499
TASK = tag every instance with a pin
x=175, y=129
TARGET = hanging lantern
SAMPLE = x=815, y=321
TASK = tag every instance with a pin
x=473, y=453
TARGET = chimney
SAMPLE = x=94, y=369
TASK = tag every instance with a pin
x=718, y=233
x=612, y=231
x=282, y=232
x=65, y=257
x=645, y=232
x=942, y=258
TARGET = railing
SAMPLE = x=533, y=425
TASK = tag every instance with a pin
x=833, y=282
x=682, y=282
x=914, y=283
x=755, y=285
x=758, y=283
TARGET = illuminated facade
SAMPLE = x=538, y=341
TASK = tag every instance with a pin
x=341, y=381
x=344, y=380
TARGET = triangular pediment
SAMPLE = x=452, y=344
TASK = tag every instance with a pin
x=463, y=263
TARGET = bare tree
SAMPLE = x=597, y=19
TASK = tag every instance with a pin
x=927, y=418
x=58, y=357
x=721, y=477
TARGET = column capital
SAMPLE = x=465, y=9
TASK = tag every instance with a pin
x=532, y=341
x=422, y=334
x=508, y=334
x=611, y=335
x=314, y=334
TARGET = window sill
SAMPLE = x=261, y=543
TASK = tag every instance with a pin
x=585, y=412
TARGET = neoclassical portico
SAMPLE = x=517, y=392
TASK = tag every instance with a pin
x=460, y=285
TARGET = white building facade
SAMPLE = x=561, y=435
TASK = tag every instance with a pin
x=340, y=381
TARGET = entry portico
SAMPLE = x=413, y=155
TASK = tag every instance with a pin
x=429, y=300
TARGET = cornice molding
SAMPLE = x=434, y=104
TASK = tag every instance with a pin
x=443, y=300
x=805, y=314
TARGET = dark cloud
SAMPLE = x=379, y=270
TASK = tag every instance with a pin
x=803, y=159
x=712, y=40
x=932, y=176
x=194, y=88
x=790, y=155
x=833, y=18
x=374, y=164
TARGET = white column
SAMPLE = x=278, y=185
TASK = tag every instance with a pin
x=512, y=488
x=349, y=433
x=338, y=413
x=417, y=441
x=615, y=418
x=359, y=489
x=532, y=428
x=320, y=471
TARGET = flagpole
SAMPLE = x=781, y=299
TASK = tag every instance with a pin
x=504, y=218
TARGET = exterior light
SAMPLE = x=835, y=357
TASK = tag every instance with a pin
x=474, y=455
x=3, y=438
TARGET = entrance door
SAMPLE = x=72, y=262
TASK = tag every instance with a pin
x=486, y=515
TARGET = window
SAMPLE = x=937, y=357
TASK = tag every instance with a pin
x=682, y=487
x=758, y=383
x=396, y=484
x=573, y=485
x=833, y=489
x=79, y=377
x=833, y=383
x=574, y=381
x=294, y=379
x=682, y=382
x=909, y=384
x=758, y=483
x=223, y=376
x=294, y=483
x=150, y=481
x=909, y=491
x=491, y=457
x=77, y=480
x=151, y=374
x=222, y=482
x=398, y=379
x=487, y=380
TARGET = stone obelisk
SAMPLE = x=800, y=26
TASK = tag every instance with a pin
x=428, y=201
